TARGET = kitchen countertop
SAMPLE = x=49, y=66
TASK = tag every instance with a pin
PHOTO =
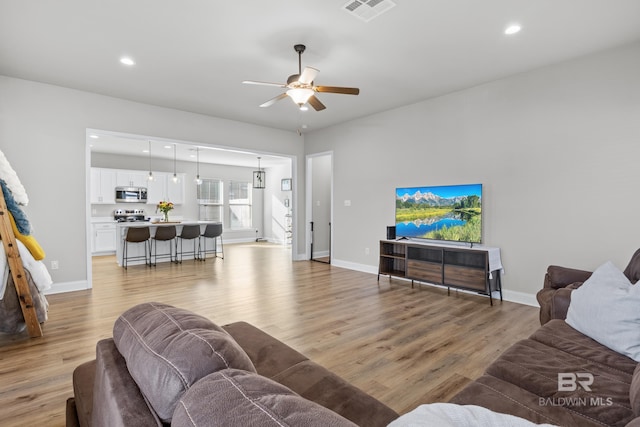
x=162, y=224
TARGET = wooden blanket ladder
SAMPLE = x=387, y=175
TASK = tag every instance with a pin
x=17, y=271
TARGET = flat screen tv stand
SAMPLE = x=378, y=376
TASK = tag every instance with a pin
x=475, y=269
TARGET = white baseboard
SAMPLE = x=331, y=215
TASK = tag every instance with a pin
x=321, y=254
x=60, y=287
x=520, y=298
x=355, y=266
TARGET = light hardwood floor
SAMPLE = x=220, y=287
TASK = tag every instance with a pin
x=404, y=346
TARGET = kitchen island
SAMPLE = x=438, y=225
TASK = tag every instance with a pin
x=137, y=249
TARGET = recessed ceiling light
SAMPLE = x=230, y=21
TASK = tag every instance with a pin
x=512, y=29
x=94, y=136
x=168, y=146
x=145, y=151
x=127, y=61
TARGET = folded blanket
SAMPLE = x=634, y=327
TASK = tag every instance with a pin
x=13, y=182
x=29, y=241
x=18, y=215
x=37, y=269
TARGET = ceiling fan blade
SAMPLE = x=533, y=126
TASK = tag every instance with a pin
x=272, y=101
x=336, y=89
x=308, y=75
x=315, y=103
x=253, y=82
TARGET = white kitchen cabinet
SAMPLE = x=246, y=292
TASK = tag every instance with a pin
x=157, y=188
x=103, y=238
x=103, y=184
x=163, y=188
x=127, y=178
x=175, y=190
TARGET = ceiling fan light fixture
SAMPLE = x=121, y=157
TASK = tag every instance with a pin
x=300, y=95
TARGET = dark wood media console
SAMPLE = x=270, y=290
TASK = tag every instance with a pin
x=474, y=269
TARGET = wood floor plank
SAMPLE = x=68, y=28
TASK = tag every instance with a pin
x=403, y=345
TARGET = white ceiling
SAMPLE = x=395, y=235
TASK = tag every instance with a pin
x=194, y=55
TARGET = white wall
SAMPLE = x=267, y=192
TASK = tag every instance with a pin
x=43, y=134
x=557, y=150
x=275, y=221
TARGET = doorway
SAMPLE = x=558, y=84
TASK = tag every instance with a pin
x=319, y=205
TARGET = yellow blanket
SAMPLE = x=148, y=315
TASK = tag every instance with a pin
x=29, y=241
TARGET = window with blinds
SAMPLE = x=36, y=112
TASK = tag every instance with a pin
x=210, y=200
x=240, y=205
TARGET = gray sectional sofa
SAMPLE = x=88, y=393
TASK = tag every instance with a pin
x=169, y=366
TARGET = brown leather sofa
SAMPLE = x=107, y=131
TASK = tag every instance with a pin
x=543, y=377
x=559, y=282
x=168, y=366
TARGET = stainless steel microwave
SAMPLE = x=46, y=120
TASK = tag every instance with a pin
x=131, y=194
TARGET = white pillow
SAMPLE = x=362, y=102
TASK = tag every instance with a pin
x=606, y=308
x=452, y=415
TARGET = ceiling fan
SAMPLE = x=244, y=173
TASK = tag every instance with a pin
x=300, y=87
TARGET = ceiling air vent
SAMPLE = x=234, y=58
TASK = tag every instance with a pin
x=367, y=9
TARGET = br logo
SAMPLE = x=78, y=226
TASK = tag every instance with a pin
x=568, y=381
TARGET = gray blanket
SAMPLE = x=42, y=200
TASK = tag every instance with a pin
x=11, y=318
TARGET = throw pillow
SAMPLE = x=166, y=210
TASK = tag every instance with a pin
x=168, y=349
x=605, y=308
x=238, y=398
x=452, y=415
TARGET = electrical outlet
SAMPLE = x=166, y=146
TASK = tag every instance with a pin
x=366, y=251
x=347, y=202
x=54, y=265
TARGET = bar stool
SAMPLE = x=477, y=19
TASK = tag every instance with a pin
x=211, y=231
x=164, y=234
x=137, y=235
x=189, y=232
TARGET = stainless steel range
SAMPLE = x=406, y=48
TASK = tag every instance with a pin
x=129, y=215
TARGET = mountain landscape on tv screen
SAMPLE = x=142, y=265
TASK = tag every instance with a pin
x=451, y=213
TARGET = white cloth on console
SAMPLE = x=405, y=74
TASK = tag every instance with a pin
x=37, y=269
x=452, y=415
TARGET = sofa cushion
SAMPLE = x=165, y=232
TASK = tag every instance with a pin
x=322, y=386
x=559, y=335
x=233, y=397
x=117, y=400
x=168, y=349
x=605, y=308
x=261, y=348
x=634, y=391
x=588, y=388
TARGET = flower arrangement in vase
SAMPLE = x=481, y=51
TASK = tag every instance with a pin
x=164, y=207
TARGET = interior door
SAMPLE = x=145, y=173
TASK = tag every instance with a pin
x=321, y=178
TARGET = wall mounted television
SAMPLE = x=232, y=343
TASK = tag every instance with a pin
x=446, y=212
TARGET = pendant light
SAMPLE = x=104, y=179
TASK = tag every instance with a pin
x=175, y=177
x=198, y=180
x=150, y=178
x=259, y=177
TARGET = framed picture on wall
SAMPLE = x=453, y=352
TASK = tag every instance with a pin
x=285, y=185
